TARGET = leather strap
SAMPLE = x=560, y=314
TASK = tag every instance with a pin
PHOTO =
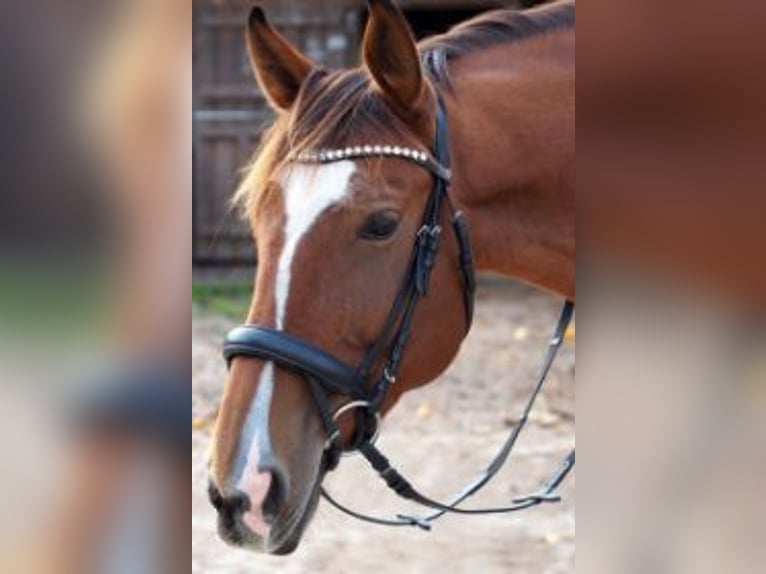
x=294, y=354
x=403, y=488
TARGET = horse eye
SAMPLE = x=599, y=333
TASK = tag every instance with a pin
x=380, y=225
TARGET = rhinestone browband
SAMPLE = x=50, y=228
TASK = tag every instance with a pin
x=420, y=157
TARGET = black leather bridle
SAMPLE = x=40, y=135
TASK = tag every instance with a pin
x=368, y=385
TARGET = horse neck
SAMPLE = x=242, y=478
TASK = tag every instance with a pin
x=511, y=112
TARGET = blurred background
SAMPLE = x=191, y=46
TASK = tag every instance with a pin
x=95, y=228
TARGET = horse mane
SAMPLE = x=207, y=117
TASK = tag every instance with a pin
x=496, y=27
x=334, y=107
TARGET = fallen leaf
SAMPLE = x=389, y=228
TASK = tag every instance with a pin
x=425, y=411
x=481, y=429
x=551, y=538
x=545, y=419
x=201, y=423
x=521, y=334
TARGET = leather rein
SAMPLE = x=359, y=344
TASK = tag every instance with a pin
x=366, y=386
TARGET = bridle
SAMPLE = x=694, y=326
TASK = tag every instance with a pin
x=368, y=385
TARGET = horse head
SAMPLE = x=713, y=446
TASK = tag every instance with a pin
x=334, y=245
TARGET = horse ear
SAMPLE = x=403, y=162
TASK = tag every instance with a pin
x=279, y=68
x=391, y=55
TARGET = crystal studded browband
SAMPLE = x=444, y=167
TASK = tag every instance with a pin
x=420, y=157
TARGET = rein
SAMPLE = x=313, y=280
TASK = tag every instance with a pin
x=368, y=390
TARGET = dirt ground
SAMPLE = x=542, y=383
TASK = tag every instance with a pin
x=440, y=437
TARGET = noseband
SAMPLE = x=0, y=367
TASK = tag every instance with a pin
x=367, y=386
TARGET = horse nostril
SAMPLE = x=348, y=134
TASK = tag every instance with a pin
x=231, y=511
x=215, y=496
x=230, y=507
x=236, y=504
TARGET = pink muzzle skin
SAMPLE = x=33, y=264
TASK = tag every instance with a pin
x=256, y=485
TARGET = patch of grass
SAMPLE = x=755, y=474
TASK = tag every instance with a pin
x=230, y=299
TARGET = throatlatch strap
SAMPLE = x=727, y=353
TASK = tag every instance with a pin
x=467, y=268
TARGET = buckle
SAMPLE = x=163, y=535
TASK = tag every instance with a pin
x=390, y=379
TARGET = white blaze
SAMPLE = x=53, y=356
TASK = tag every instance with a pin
x=308, y=192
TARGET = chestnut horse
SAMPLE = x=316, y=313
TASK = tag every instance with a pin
x=334, y=240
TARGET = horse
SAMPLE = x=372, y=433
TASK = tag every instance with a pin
x=337, y=196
